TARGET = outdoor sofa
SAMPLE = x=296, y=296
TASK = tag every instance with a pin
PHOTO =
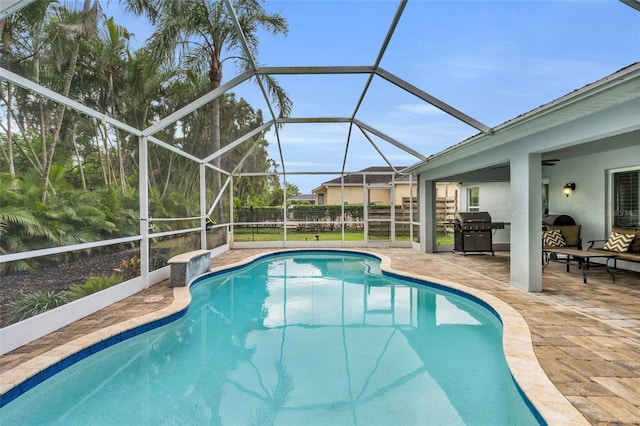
x=626, y=248
x=570, y=237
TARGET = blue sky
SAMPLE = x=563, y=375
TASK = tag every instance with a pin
x=493, y=60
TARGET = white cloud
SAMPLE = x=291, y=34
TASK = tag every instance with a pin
x=421, y=109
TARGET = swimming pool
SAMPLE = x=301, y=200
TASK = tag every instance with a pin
x=296, y=338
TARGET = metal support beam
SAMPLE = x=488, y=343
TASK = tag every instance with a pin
x=375, y=146
x=219, y=196
x=143, y=188
x=383, y=49
x=389, y=139
x=69, y=103
x=7, y=7
x=253, y=65
x=316, y=70
x=276, y=173
x=201, y=101
x=433, y=100
x=173, y=149
x=238, y=141
x=308, y=120
x=632, y=3
x=217, y=169
x=244, y=158
x=203, y=202
x=346, y=152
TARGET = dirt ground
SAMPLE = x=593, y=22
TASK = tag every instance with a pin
x=60, y=277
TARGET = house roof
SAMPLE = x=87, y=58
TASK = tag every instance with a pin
x=617, y=88
x=374, y=174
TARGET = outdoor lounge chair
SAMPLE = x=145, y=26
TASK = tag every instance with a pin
x=570, y=237
x=560, y=236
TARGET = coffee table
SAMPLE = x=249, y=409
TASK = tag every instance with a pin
x=582, y=257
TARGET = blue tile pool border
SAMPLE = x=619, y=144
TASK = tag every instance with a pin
x=50, y=371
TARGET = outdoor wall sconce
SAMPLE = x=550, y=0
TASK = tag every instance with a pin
x=569, y=188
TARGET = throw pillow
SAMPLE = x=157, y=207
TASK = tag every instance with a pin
x=635, y=244
x=570, y=233
x=618, y=242
x=553, y=238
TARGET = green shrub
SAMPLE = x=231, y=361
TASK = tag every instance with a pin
x=129, y=268
x=93, y=285
x=32, y=304
x=157, y=261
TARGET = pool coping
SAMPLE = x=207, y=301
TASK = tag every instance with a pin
x=519, y=353
x=523, y=364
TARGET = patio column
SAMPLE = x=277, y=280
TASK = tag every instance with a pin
x=526, y=222
x=427, y=212
x=143, y=188
x=203, y=206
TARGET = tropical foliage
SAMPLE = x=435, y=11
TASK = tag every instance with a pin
x=129, y=268
x=93, y=284
x=32, y=304
x=199, y=34
x=67, y=178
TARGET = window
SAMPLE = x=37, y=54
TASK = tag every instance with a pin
x=626, y=198
x=473, y=199
x=545, y=197
x=320, y=199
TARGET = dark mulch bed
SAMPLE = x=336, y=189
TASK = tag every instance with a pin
x=61, y=276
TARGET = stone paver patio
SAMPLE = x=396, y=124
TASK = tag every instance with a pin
x=586, y=336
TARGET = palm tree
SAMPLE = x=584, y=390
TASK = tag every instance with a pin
x=81, y=25
x=108, y=54
x=202, y=31
x=24, y=39
x=142, y=7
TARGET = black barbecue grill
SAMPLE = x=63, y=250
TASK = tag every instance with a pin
x=473, y=232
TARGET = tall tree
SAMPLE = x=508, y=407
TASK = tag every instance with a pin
x=80, y=25
x=202, y=31
x=24, y=39
x=108, y=53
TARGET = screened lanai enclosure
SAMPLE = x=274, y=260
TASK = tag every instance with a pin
x=185, y=165
x=134, y=131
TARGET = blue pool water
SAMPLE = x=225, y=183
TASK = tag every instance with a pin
x=303, y=338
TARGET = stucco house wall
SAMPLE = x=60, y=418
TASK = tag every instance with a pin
x=352, y=195
x=495, y=198
x=591, y=130
x=380, y=195
x=355, y=194
x=589, y=204
x=402, y=191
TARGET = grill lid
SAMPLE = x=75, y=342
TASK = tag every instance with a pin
x=473, y=217
x=558, y=219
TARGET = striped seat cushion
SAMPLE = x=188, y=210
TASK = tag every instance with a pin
x=618, y=242
x=553, y=238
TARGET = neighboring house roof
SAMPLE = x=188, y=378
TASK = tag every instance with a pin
x=303, y=197
x=375, y=174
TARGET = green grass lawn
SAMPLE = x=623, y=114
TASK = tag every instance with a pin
x=444, y=239
x=277, y=234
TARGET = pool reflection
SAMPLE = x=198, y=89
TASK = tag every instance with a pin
x=304, y=338
x=331, y=336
